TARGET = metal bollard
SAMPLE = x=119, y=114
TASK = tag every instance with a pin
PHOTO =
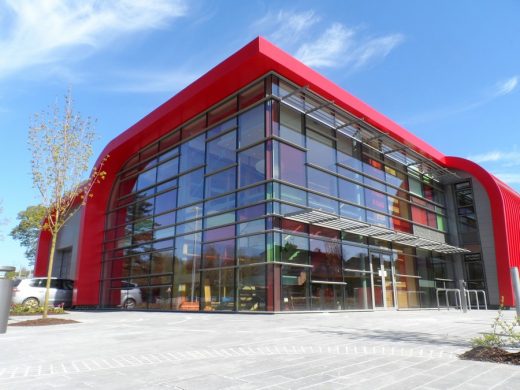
x=516, y=288
x=463, y=301
x=6, y=292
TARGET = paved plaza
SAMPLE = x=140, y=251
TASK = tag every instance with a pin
x=363, y=350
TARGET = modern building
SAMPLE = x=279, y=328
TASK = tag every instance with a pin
x=263, y=186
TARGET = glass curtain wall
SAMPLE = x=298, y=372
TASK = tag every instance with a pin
x=316, y=166
x=196, y=219
x=342, y=176
x=186, y=228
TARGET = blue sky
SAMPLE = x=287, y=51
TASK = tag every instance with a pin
x=448, y=71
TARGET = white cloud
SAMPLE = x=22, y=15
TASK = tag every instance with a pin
x=324, y=47
x=328, y=49
x=498, y=156
x=51, y=31
x=170, y=81
x=375, y=49
x=507, y=86
x=509, y=178
x=286, y=27
x=503, y=164
x=341, y=46
x=293, y=25
x=500, y=89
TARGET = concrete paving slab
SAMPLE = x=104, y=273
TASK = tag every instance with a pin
x=139, y=350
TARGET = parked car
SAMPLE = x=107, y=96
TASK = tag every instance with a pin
x=31, y=292
x=131, y=295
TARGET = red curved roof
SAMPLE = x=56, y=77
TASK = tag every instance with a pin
x=248, y=64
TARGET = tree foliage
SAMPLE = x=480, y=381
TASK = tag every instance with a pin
x=60, y=141
x=28, y=230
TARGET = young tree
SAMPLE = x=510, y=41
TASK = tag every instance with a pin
x=61, y=145
x=28, y=230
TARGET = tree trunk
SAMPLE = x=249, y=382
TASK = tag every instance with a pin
x=49, y=275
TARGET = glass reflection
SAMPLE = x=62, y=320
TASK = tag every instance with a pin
x=295, y=286
x=186, y=278
x=326, y=260
x=251, y=126
x=251, y=249
x=218, y=291
x=252, y=288
x=191, y=187
x=221, y=152
x=220, y=183
x=192, y=153
x=251, y=165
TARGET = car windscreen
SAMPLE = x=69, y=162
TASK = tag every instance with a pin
x=16, y=282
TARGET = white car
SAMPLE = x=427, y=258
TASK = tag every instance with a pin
x=131, y=295
x=31, y=292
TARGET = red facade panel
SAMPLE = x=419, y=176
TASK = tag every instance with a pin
x=42, y=254
x=512, y=216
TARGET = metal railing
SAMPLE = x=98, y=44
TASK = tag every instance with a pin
x=468, y=293
x=458, y=298
x=447, y=291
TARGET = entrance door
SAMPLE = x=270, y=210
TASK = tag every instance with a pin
x=383, y=285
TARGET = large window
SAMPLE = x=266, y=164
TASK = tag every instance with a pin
x=349, y=153
x=326, y=260
x=355, y=258
x=251, y=249
x=221, y=152
x=351, y=192
x=192, y=153
x=191, y=187
x=186, y=272
x=222, y=203
x=322, y=182
x=321, y=149
x=467, y=218
x=251, y=126
x=252, y=288
x=292, y=164
x=220, y=183
x=291, y=126
x=251, y=165
x=294, y=249
x=165, y=201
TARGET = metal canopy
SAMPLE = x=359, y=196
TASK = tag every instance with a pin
x=341, y=224
x=370, y=231
x=335, y=222
x=310, y=216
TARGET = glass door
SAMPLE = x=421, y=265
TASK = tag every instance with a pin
x=383, y=281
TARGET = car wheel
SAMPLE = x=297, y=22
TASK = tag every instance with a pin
x=31, y=302
x=129, y=303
